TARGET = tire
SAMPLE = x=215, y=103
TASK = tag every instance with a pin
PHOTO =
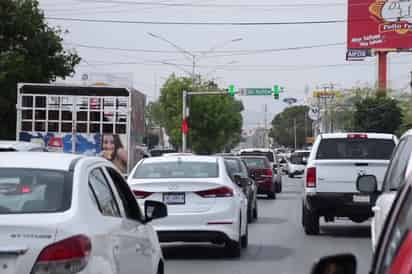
x=272, y=195
x=291, y=175
x=245, y=239
x=279, y=188
x=234, y=248
x=310, y=221
x=255, y=211
x=249, y=214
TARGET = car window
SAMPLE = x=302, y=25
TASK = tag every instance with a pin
x=177, y=169
x=395, y=174
x=340, y=148
x=243, y=168
x=397, y=233
x=232, y=167
x=256, y=162
x=34, y=191
x=103, y=193
x=130, y=206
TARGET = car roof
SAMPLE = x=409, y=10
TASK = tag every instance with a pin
x=256, y=149
x=407, y=133
x=18, y=145
x=186, y=158
x=38, y=160
x=369, y=134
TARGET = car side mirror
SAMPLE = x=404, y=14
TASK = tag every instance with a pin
x=367, y=184
x=275, y=170
x=304, y=160
x=252, y=175
x=154, y=210
x=240, y=180
x=338, y=264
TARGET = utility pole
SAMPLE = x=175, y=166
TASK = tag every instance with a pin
x=294, y=130
x=184, y=134
x=266, y=127
x=411, y=82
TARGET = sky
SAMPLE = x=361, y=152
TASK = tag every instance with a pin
x=311, y=55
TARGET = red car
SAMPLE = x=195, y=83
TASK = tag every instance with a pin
x=268, y=179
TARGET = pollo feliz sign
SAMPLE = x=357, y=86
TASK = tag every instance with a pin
x=380, y=24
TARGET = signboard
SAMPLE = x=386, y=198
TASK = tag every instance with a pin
x=259, y=91
x=358, y=54
x=379, y=24
x=326, y=94
x=314, y=113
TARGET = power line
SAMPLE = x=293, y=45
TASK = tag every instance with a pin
x=135, y=22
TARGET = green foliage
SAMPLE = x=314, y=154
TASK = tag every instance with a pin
x=215, y=122
x=378, y=114
x=30, y=51
x=283, y=126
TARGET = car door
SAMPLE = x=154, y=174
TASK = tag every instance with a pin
x=394, y=178
x=395, y=248
x=102, y=195
x=136, y=248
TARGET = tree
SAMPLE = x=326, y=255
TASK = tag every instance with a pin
x=378, y=114
x=215, y=122
x=283, y=126
x=30, y=51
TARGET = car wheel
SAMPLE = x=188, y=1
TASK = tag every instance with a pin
x=234, y=248
x=245, y=238
x=255, y=211
x=310, y=221
x=272, y=195
x=279, y=187
x=249, y=214
x=291, y=175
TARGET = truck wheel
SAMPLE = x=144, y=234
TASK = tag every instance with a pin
x=310, y=221
x=279, y=187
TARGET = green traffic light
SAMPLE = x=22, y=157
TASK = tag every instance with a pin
x=231, y=90
x=276, y=91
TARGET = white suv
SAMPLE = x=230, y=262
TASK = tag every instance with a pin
x=335, y=163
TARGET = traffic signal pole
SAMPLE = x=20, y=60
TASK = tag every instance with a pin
x=382, y=68
x=185, y=115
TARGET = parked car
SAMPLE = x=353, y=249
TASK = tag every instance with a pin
x=74, y=214
x=297, y=162
x=336, y=160
x=268, y=180
x=204, y=204
x=236, y=167
x=9, y=146
x=394, y=248
x=398, y=170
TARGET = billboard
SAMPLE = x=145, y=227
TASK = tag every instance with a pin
x=379, y=24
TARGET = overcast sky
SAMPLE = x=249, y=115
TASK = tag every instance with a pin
x=293, y=69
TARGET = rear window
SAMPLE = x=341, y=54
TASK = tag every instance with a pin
x=256, y=162
x=268, y=155
x=177, y=170
x=34, y=191
x=378, y=149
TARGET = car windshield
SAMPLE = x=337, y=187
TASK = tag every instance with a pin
x=377, y=149
x=177, y=169
x=268, y=155
x=297, y=158
x=256, y=162
x=34, y=191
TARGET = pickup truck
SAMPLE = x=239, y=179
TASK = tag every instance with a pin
x=334, y=164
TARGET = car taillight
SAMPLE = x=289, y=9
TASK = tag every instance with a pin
x=68, y=256
x=216, y=192
x=357, y=136
x=311, y=177
x=140, y=194
x=268, y=173
x=25, y=189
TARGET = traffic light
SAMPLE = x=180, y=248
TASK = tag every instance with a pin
x=276, y=91
x=231, y=90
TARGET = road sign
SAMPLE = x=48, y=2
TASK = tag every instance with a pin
x=258, y=91
x=314, y=113
x=185, y=126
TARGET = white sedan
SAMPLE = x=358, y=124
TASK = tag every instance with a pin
x=67, y=214
x=204, y=204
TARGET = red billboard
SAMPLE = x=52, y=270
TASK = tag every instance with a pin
x=380, y=24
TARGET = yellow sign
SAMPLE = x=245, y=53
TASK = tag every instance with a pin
x=328, y=93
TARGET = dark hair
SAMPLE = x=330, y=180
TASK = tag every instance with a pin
x=117, y=144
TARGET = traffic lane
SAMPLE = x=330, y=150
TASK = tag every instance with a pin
x=277, y=243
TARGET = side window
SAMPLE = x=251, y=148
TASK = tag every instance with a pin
x=395, y=175
x=103, y=193
x=232, y=167
x=243, y=169
x=130, y=205
x=398, y=232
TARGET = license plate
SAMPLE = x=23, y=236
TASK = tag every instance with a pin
x=361, y=199
x=174, y=198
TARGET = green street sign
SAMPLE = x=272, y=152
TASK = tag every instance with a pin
x=258, y=91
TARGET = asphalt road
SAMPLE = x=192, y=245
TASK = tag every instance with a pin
x=277, y=243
